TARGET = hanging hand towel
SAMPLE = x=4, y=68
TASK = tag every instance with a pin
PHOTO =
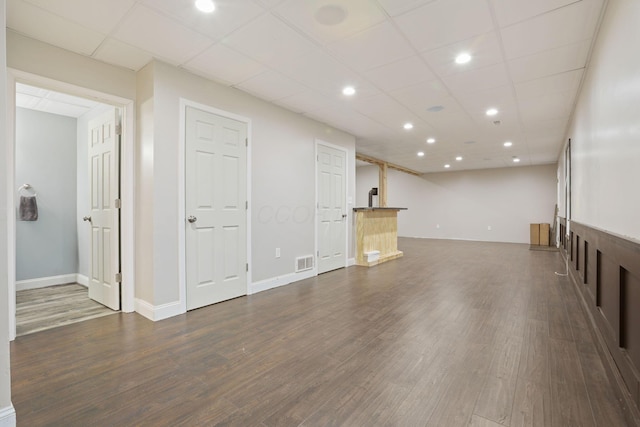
x=28, y=210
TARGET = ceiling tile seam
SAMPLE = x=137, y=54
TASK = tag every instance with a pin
x=114, y=29
x=521, y=127
x=221, y=39
x=546, y=76
x=410, y=10
x=596, y=33
x=538, y=15
x=550, y=49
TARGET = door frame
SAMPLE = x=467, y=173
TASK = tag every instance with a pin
x=182, y=146
x=349, y=217
x=127, y=180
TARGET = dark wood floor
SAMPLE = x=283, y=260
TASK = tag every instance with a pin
x=452, y=334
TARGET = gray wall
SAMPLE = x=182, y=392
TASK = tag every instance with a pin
x=46, y=159
x=463, y=205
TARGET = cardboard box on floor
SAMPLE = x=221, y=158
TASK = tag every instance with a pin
x=535, y=234
x=540, y=234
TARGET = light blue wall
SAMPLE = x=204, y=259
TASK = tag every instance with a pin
x=46, y=159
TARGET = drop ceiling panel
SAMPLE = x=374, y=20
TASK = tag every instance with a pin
x=223, y=63
x=102, y=16
x=308, y=17
x=45, y=26
x=512, y=11
x=271, y=85
x=563, y=82
x=269, y=41
x=307, y=101
x=371, y=48
x=561, y=27
x=484, y=49
x=119, y=53
x=319, y=71
x=228, y=16
x=553, y=61
x=384, y=110
x=149, y=30
x=468, y=82
x=547, y=107
x=440, y=23
x=422, y=95
x=400, y=74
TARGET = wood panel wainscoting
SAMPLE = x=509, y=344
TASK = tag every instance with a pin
x=605, y=268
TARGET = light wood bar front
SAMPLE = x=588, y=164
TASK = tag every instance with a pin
x=377, y=230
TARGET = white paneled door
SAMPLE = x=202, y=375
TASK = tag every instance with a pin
x=332, y=212
x=216, y=210
x=104, y=217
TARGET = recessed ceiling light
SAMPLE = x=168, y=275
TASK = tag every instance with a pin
x=447, y=166
x=431, y=140
x=435, y=108
x=458, y=158
x=205, y=6
x=408, y=126
x=516, y=160
x=420, y=153
x=508, y=144
x=492, y=112
x=463, y=58
x=349, y=90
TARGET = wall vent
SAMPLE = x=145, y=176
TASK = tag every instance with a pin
x=304, y=263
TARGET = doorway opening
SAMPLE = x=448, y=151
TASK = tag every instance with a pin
x=50, y=246
x=52, y=167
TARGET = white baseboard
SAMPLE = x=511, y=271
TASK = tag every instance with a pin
x=43, y=282
x=276, y=282
x=158, y=312
x=82, y=280
x=8, y=417
x=351, y=261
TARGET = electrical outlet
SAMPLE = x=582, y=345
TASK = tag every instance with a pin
x=277, y=252
x=489, y=227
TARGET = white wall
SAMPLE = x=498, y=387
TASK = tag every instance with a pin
x=283, y=175
x=464, y=204
x=605, y=130
x=45, y=157
x=7, y=414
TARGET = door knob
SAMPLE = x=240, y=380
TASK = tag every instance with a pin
x=192, y=219
x=86, y=218
x=344, y=215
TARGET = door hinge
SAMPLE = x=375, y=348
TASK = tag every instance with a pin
x=246, y=205
x=118, y=129
x=318, y=255
x=118, y=277
x=246, y=142
x=247, y=266
x=118, y=203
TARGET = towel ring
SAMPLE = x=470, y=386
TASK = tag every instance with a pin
x=28, y=189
